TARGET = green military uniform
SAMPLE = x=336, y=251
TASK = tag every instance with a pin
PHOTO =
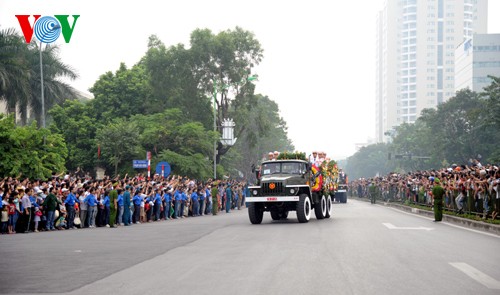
x=438, y=193
x=215, y=201
x=113, y=197
x=372, y=190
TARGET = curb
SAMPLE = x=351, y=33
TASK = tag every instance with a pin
x=477, y=225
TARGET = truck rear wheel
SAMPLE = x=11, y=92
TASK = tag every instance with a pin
x=320, y=208
x=328, y=206
x=255, y=213
x=304, y=208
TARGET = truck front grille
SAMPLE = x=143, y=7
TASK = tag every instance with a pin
x=267, y=189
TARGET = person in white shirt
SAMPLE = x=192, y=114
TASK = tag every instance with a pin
x=313, y=158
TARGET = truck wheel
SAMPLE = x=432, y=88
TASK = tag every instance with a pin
x=328, y=207
x=304, y=208
x=275, y=215
x=320, y=208
x=255, y=213
x=284, y=215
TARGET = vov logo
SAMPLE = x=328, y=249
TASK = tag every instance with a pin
x=47, y=28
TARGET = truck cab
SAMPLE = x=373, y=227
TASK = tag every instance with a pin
x=284, y=186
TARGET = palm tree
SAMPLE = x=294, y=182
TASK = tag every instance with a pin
x=20, y=76
x=14, y=70
x=56, y=90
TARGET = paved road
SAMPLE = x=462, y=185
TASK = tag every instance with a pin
x=363, y=249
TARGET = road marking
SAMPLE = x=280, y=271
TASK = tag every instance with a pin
x=78, y=251
x=475, y=274
x=446, y=223
x=391, y=226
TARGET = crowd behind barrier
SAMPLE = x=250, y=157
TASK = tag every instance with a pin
x=470, y=189
x=78, y=201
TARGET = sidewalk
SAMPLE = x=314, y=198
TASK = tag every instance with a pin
x=477, y=225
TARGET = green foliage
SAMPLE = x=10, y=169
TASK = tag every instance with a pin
x=20, y=76
x=292, y=156
x=369, y=161
x=190, y=165
x=121, y=95
x=119, y=141
x=163, y=104
x=460, y=129
x=74, y=122
x=264, y=131
x=24, y=153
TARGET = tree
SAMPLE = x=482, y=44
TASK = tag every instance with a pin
x=456, y=127
x=173, y=81
x=222, y=62
x=24, y=153
x=55, y=90
x=492, y=120
x=121, y=95
x=192, y=165
x=265, y=131
x=369, y=161
x=21, y=80
x=119, y=141
x=14, y=69
x=73, y=120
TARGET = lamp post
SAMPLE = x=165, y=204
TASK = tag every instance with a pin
x=55, y=27
x=224, y=86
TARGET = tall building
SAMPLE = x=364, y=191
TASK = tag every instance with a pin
x=475, y=60
x=416, y=41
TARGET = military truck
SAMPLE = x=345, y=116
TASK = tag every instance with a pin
x=288, y=185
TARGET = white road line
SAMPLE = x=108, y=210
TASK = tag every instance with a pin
x=475, y=274
x=391, y=226
x=446, y=223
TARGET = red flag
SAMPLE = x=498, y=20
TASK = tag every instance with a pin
x=98, y=151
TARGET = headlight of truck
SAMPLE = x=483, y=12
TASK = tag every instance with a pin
x=255, y=192
x=293, y=191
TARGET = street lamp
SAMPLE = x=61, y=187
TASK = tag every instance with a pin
x=224, y=86
x=55, y=27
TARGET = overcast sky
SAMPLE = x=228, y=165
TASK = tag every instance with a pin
x=319, y=56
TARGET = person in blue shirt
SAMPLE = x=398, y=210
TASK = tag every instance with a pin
x=194, y=201
x=107, y=208
x=246, y=194
x=178, y=201
x=137, y=199
x=228, y=198
x=157, y=205
x=167, y=197
x=201, y=195
x=70, y=202
x=119, y=202
x=208, y=197
x=91, y=201
x=184, y=202
x=126, y=206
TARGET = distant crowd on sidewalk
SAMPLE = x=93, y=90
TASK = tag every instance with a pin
x=74, y=201
x=473, y=188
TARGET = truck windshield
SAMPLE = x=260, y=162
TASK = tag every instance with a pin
x=283, y=168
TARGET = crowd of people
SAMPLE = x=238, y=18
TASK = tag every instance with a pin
x=473, y=188
x=78, y=201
